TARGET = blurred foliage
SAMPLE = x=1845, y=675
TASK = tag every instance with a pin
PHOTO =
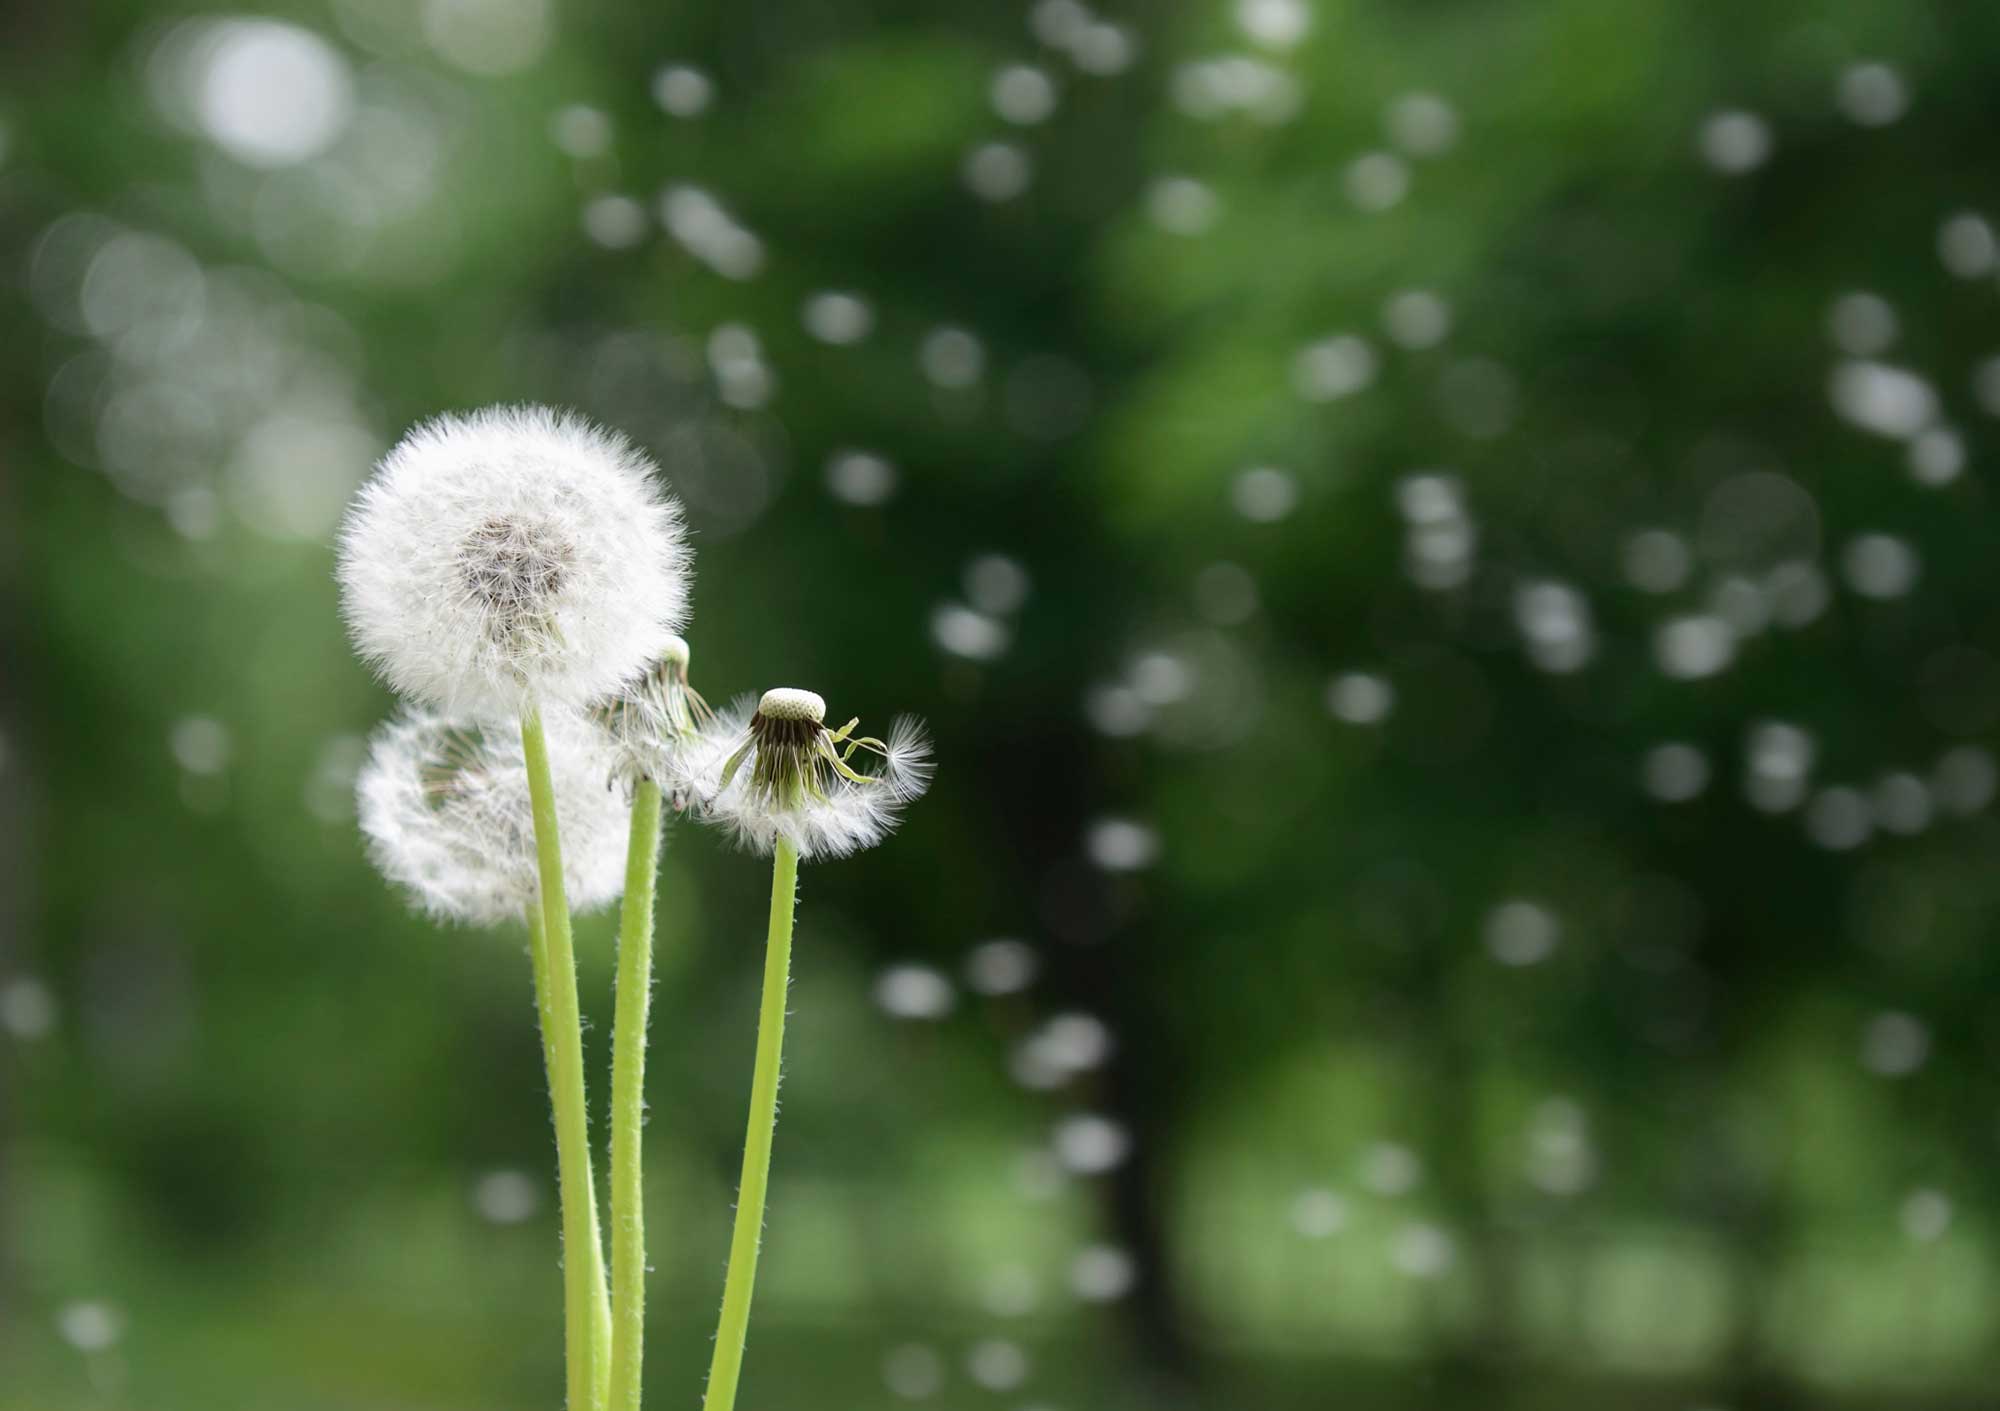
x=1446, y=546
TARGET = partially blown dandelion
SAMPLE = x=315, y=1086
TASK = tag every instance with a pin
x=776, y=772
x=656, y=719
x=784, y=784
x=514, y=557
x=444, y=805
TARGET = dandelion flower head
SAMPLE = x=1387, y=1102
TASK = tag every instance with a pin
x=511, y=557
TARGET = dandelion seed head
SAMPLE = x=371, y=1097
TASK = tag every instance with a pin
x=512, y=556
x=444, y=805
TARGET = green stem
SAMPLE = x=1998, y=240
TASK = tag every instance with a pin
x=628, y=1100
x=538, y=950
x=586, y=1311
x=735, y=1324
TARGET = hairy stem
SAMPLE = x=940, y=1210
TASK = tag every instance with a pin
x=628, y=1101
x=538, y=950
x=586, y=1309
x=734, y=1326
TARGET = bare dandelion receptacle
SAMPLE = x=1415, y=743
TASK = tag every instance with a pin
x=775, y=770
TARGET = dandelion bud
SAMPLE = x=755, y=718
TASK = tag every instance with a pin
x=776, y=771
x=444, y=805
x=512, y=557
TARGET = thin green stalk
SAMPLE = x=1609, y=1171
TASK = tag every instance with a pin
x=734, y=1327
x=628, y=1100
x=538, y=951
x=586, y=1311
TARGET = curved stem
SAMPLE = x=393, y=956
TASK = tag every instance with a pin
x=734, y=1327
x=628, y=1100
x=586, y=1315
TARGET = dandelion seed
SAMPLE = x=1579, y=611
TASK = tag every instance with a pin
x=1090, y=1145
x=1001, y=967
x=1423, y=1251
x=683, y=92
x=1937, y=457
x=968, y=633
x=1180, y=205
x=506, y=1197
x=1423, y=124
x=1102, y=1273
x=837, y=317
x=1966, y=780
x=512, y=556
x=1862, y=324
x=1416, y=318
x=1122, y=845
x=1360, y=698
x=1275, y=24
x=1675, y=772
x=581, y=131
x=1967, y=246
x=1872, y=94
x=1925, y=1214
x=1880, y=566
x=1895, y=1044
x=997, y=171
x=1375, y=181
x=997, y=1364
x=914, y=992
x=1023, y=94
x=444, y=805
x=1734, y=142
x=27, y=1009
x=1318, y=1213
x=615, y=222
x=776, y=771
x=952, y=358
x=1656, y=561
x=91, y=1325
x=913, y=1371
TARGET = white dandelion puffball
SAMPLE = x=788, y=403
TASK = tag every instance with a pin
x=444, y=805
x=513, y=556
x=774, y=770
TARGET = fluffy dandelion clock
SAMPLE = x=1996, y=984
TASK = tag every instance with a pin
x=444, y=805
x=776, y=771
x=655, y=719
x=512, y=557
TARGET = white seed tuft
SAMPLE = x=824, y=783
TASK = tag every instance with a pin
x=512, y=556
x=444, y=805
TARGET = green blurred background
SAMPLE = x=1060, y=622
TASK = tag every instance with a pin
x=1447, y=548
